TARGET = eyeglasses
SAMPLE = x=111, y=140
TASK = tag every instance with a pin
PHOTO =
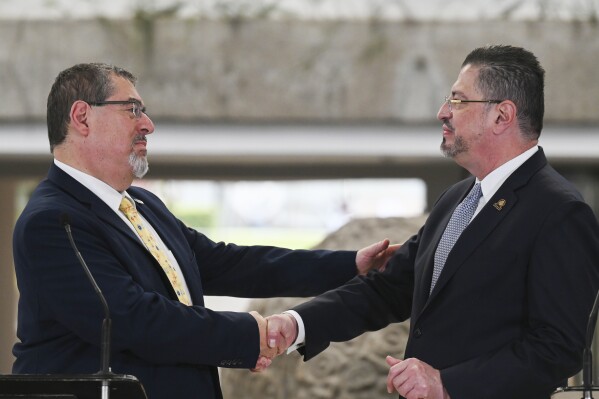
x=136, y=108
x=451, y=102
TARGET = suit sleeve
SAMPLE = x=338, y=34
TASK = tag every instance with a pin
x=58, y=303
x=562, y=284
x=366, y=303
x=256, y=271
x=264, y=272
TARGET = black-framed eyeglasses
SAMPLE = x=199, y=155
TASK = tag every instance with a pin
x=136, y=108
x=451, y=102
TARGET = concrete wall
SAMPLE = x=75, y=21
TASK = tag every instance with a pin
x=263, y=70
x=292, y=70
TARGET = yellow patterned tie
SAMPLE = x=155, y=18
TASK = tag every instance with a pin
x=148, y=239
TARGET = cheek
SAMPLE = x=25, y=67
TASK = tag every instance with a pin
x=469, y=126
x=115, y=147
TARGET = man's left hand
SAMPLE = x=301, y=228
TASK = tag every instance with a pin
x=414, y=379
x=375, y=256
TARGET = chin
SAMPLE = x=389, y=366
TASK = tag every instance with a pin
x=139, y=165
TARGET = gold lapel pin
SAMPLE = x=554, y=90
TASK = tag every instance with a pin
x=499, y=204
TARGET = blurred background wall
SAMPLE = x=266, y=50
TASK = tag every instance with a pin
x=296, y=89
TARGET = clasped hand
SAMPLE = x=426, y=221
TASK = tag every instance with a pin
x=277, y=333
x=412, y=378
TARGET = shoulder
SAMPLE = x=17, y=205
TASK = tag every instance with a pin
x=144, y=195
x=550, y=186
x=151, y=203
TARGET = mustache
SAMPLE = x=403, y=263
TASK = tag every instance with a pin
x=140, y=138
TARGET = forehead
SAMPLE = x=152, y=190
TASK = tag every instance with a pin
x=123, y=89
x=466, y=83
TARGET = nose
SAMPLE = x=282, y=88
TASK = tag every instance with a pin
x=444, y=112
x=146, y=125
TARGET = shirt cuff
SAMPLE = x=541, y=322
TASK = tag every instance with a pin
x=301, y=332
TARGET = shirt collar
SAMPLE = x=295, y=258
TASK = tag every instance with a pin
x=107, y=194
x=491, y=183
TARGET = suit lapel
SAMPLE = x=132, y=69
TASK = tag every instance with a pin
x=174, y=245
x=158, y=226
x=495, y=211
x=445, y=208
x=96, y=206
x=103, y=211
x=475, y=233
x=89, y=199
x=109, y=216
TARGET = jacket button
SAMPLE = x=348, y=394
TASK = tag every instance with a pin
x=417, y=333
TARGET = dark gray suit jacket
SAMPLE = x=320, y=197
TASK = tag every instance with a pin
x=507, y=317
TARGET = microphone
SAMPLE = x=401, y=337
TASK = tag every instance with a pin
x=587, y=387
x=65, y=221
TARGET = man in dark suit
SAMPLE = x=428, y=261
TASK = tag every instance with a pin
x=501, y=312
x=152, y=269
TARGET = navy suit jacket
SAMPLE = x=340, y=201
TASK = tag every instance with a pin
x=507, y=317
x=173, y=349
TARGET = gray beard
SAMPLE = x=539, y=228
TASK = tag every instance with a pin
x=459, y=146
x=139, y=165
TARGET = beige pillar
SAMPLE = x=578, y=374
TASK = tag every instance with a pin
x=8, y=286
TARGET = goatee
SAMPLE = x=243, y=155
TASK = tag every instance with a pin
x=451, y=151
x=139, y=165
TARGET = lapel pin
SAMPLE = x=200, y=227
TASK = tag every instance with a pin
x=499, y=204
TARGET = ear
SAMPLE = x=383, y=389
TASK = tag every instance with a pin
x=505, y=116
x=79, y=116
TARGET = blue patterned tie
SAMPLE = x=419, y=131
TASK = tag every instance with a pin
x=458, y=222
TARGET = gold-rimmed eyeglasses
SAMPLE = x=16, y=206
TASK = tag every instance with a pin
x=452, y=102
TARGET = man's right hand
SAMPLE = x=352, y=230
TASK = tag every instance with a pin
x=266, y=353
x=282, y=331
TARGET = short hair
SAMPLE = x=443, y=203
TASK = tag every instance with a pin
x=512, y=73
x=87, y=82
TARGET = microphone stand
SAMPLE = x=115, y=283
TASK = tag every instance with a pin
x=587, y=354
x=587, y=387
x=105, y=371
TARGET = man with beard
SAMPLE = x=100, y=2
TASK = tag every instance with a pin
x=499, y=282
x=152, y=269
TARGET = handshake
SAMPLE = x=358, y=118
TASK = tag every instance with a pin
x=411, y=378
x=277, y=333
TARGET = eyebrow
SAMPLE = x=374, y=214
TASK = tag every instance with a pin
x=136, y=100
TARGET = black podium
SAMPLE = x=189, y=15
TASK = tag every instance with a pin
x=84, y=386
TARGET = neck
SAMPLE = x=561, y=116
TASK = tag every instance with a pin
x=114, y=179
x=494, y=158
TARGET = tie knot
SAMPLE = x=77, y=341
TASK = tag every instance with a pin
x=126, y=206
x=475, y=193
